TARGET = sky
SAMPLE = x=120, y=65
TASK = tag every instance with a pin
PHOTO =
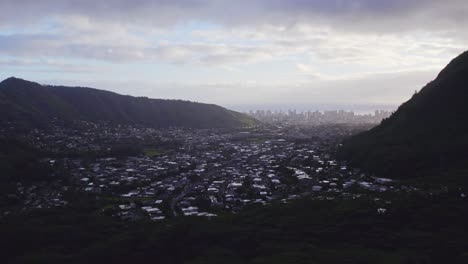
x=242, y=54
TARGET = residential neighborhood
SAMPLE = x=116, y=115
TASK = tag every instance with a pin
x=161, y=173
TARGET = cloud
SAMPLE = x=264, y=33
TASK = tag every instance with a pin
x=127, y=47
x=385, y=88
x=49, y=65
x=340, y=30
x=293, y=49
x=356, y=15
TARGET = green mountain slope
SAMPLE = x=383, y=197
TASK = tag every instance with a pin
x=427, y=135
x=28, y=102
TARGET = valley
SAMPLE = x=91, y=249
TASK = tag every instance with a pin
x=141, y=172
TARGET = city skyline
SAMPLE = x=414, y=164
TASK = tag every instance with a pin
x=294, y=116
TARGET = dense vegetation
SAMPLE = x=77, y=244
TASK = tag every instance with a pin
x=28, y=102
x=426, y=136
x=415, y=229
x=18, y=160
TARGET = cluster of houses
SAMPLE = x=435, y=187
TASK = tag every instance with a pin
x=199, y=172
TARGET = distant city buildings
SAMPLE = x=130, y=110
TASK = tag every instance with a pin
x=319, y=117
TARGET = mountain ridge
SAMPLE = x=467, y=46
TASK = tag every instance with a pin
x=425, y=136
x=26, y=101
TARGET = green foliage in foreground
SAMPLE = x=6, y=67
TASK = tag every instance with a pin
x=413, y=230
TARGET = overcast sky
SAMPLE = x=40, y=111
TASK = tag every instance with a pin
x=236, y=53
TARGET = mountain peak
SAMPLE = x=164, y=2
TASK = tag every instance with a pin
x=14, y=81
x=458, y=64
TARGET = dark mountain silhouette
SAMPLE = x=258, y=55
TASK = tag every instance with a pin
x=427, y=135
x=29, y=102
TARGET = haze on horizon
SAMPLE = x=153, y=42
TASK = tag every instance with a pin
x=236, y=53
